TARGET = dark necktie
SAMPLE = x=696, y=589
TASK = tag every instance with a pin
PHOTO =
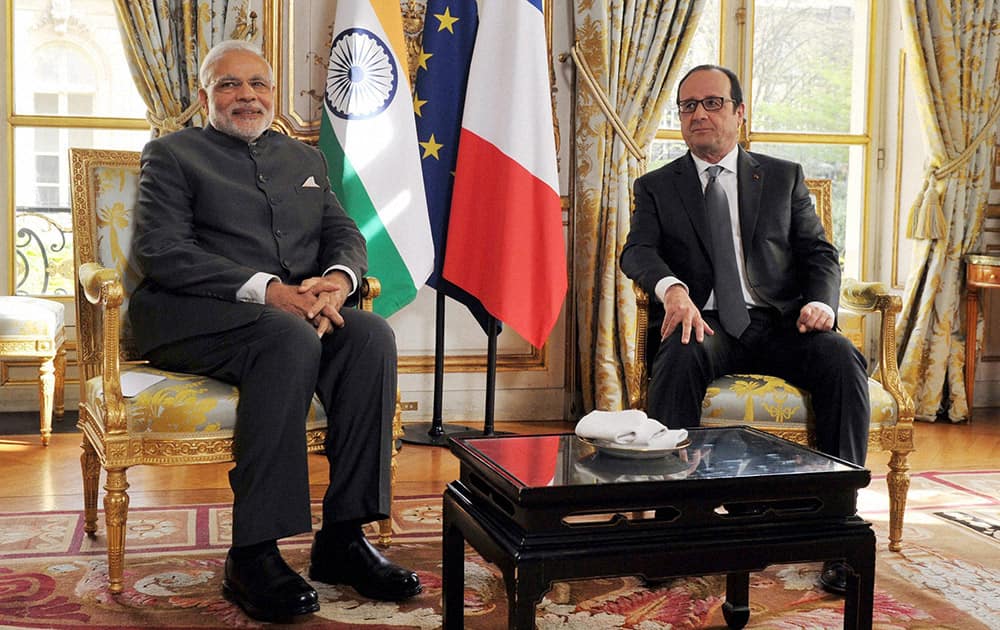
x=728, y=292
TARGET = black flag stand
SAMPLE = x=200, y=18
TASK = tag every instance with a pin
x=436, y=433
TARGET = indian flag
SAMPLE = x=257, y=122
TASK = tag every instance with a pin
x=369, y=137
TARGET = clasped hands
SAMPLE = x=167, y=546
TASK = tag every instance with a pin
x=317, y=300
x=679, y=310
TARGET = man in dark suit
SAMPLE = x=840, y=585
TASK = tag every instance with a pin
x=773, y=309
x=249, y=262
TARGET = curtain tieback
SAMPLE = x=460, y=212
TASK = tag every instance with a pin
x=602, y=101
x=169, y=124
x=927, y=220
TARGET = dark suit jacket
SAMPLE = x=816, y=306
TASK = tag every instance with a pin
x=788, y=260
x=212, y=211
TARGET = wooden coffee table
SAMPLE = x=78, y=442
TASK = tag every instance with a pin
x=547, y=508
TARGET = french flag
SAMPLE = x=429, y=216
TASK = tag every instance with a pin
x=505, y=237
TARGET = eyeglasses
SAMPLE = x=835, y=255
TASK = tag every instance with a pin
x=710, y=103
x=260, y=86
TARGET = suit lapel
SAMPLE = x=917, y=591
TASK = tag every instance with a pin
x=693, y=199
x=750, y=179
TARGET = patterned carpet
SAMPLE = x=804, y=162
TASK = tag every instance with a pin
x=948, y=576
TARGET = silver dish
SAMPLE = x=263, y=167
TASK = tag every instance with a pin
x=625, y=451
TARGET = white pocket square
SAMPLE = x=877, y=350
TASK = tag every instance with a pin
x=310, y=183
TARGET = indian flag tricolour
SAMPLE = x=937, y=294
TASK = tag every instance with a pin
x=368, y=134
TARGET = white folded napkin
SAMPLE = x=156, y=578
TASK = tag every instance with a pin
x=628, y=428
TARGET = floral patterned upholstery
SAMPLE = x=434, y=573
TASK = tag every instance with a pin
x=180, y=418
x=35, y=328
x=183, y=404
x=772, y=404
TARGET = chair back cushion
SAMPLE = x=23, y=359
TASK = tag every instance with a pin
x=105, y=188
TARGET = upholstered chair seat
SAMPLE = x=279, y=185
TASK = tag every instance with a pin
x=179, y=405
x=34, y=329
x=772, y=404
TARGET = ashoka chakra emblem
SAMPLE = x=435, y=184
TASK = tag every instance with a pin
x=362, y=77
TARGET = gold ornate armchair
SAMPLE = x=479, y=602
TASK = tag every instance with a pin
x=772, y=404
x=181, y=419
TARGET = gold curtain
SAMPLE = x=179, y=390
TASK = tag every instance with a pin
x=956, y=45
x=165, y=41
x=627, y=52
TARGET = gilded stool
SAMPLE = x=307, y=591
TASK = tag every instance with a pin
x=34, y=328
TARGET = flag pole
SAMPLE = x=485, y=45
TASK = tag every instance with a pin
x=491, y=376
x=436, y=432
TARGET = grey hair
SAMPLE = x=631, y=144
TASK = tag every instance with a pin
x=221, y=49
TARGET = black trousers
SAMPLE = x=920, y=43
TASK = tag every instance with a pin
x=826, y=364
x=277, y=362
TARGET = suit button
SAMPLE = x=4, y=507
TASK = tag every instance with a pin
x=279, y=233
x=261, y=178
x=286, y=264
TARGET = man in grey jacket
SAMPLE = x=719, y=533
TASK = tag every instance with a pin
x=249, y=263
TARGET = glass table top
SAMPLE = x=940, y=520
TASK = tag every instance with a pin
x=566, y=460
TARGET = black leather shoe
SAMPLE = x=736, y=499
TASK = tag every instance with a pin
x=267, y=589
x=833, y=577
x=353, y=561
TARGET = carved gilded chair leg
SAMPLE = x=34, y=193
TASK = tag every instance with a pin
x=115, y=516
x=898, y=481
x=91, y=468
x=60, y=395
x=46, y=391
x=385, y=525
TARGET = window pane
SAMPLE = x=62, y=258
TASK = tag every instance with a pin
x=46, y=140
x=843, y=165
x=48, y=196
x=809, y=65
x=704, y=49
x=78, y=46
x=80, y=104
x=46, y=103
x=663, y=151
x=46, y=169
x=43, y=241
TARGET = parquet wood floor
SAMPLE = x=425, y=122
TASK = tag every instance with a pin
x=37, y=478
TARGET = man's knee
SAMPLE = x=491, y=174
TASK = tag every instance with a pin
x=288, y=338
x=840, y=354
x=370, y=332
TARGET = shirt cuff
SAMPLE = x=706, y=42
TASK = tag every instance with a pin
x=350, y=274
x=826, y=308
x=665, y=283
x=254, y=290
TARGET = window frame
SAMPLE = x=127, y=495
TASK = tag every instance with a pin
x=736, y=20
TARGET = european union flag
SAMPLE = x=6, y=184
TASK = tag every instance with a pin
x=439, y=98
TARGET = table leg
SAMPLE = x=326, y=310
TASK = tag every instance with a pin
x=860, y=597
x=736, y=608
x=523, y=593
x=971, y=328
x=452, y=571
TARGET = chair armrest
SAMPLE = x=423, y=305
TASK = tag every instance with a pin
x=103, y=288
x=371, y=288
x=871, y=297
x=637, y=380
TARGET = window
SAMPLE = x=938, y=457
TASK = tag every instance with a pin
x=70, y=86
x=804, y=66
